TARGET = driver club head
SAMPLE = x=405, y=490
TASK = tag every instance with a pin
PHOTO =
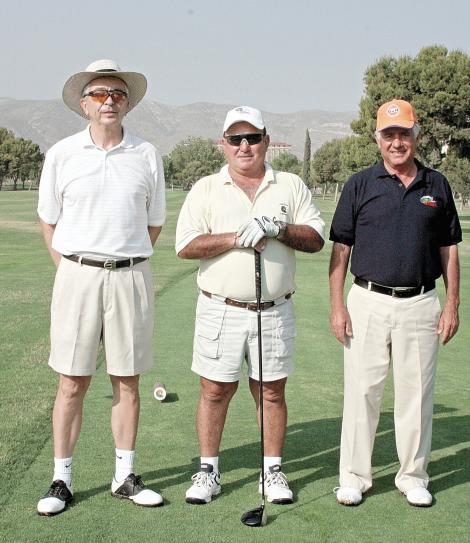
x=255, y=517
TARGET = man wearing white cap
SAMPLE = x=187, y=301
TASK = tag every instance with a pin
x=400, y=218
x=246, y=205
x=101, y=208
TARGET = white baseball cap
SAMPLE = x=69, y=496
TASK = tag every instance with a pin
x=244, y=114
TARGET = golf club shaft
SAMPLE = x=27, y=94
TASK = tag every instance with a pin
x=260, y=363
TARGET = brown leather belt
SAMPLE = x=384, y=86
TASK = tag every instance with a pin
x=395, y=292
x=251, y=306
x=109, y=264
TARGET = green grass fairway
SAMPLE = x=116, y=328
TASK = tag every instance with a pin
x=167, y=450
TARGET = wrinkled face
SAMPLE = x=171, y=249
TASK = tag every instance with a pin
x=246, y=158
x=397, y=146
x=112, y=110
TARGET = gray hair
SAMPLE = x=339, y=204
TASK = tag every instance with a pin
x=91, y=83
x=415, y=130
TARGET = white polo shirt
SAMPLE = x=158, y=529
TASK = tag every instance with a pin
x=217, y=205
x=102, y=201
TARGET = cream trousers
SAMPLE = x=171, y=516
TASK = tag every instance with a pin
x=386, y=329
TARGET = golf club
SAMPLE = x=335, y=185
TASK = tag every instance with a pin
x=258, y=517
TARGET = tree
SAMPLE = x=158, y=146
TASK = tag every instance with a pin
x=287, y=162
x=326, y=163
x=20, y=159
x=192, y=159
x=306, y=162
x=356, y=153
x=457, y=171
x=437, y=83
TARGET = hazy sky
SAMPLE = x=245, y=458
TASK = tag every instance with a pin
x=279, y=55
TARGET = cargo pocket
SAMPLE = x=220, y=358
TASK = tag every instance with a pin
x=284, y=336
x=207, y=336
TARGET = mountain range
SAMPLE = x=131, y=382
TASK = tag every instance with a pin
x=47, y=121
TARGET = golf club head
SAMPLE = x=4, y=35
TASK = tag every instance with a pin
x=255, y=517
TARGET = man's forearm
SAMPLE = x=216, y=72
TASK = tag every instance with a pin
x=302, y=238
x=451, y=273
x=47, y=233
x=154, y=232
x=338, y=269
x=209, y=245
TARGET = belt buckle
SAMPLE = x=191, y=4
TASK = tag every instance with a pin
x=109, y=264
x=398, y=291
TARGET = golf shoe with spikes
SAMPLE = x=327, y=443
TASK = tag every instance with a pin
x=132, y=488
x=55, y=500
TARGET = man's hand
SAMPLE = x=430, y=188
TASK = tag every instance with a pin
x=448, y=323
x=340, y=323
x=253, y=231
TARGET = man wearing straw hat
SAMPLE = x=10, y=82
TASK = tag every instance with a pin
x=101, y=208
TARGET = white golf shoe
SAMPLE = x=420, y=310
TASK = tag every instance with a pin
x=348, y=495
x=419, y=497
x=55, y=500
x=276, y=487
x=206, y=483
x=132, y=488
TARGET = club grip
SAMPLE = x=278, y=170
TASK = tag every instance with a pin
x=258, y=276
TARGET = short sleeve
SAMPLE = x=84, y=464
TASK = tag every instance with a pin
x=50, y=201
x=157, y=202
x=343, y=225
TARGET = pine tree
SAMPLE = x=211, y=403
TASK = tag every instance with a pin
x=306, y=163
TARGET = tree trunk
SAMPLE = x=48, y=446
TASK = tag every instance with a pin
x=336, y=192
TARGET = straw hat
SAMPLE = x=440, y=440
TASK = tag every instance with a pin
x=73, y=88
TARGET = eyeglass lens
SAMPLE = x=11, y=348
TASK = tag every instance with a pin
x=101, y=96
x=237, y=139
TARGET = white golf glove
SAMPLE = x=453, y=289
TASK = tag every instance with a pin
x=253, y=231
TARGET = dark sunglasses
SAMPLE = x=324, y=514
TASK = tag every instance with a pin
x=236, y=139
x=117, y=96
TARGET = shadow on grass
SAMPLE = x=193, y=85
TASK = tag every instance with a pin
x=311, y=453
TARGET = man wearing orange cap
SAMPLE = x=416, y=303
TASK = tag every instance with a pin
x=400, y=218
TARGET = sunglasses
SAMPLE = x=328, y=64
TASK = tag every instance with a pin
x=251, y=139
x=100, y=96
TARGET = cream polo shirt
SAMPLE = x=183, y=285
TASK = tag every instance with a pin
x=216, y=205
x=102, y=201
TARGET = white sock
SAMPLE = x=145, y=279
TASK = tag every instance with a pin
x=213, y=460
x=124, y=464
x=63, y=470
x=270, y=461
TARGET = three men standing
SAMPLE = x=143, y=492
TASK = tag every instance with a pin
x=400, y=218
x=102, y=207
x=246, y=206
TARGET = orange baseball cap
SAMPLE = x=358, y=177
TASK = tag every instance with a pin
x=396, y=113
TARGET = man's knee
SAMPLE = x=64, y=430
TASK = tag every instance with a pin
x=216, y=391
x=73, y=387
x=125, y=386
x=274, y=392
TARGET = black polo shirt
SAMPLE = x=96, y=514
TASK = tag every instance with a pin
x=396, y=231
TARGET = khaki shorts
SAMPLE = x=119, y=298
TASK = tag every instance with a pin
x=226, y=336
x=90, y=303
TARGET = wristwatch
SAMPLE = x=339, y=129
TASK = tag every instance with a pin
x=282, y=230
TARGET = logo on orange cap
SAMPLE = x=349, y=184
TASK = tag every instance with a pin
x=396, y=113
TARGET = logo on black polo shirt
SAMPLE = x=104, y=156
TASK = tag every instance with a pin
x=428, y=201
